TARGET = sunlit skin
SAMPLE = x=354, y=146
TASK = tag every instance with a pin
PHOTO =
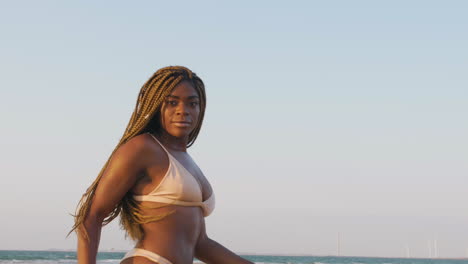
x=139, y=166
x=179, y=115
x=175, y=236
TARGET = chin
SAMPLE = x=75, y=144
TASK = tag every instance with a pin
x=179, y=134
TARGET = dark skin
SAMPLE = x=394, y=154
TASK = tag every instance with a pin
x=139, y=166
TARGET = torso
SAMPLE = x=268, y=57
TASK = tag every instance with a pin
x=175, y=236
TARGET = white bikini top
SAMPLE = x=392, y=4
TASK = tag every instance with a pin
x=178, y=187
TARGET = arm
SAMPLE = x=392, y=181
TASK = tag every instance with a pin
x=118, y=178
x=87, y=248
x=211, y=252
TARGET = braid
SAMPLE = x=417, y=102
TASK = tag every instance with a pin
x=144, y=119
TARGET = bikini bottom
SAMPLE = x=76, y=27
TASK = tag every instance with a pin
x=139, y=252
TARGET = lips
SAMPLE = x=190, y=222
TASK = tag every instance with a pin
x=181, y=123
x=185, y=122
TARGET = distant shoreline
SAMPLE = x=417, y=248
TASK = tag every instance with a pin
x=249, y=254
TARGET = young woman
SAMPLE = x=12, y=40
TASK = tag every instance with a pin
x=151, y=181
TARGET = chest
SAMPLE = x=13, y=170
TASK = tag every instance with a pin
x=185, y=161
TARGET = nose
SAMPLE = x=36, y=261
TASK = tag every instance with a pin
x=182, y=109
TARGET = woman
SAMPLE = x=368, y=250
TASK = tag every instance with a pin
x=151, y=181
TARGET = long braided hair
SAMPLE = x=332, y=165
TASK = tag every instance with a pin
x=145, y=118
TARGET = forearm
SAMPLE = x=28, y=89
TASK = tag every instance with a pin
x=88, y=246
x=211, y=252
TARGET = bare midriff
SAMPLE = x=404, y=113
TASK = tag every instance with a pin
x=175, y=236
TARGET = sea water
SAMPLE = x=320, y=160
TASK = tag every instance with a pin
x=66, y=257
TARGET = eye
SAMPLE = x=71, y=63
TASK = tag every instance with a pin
x=194, y=104
x=171, y=102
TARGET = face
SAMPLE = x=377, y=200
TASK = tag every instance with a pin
x=180, y=110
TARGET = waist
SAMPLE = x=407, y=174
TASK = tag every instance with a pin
x=174, y=236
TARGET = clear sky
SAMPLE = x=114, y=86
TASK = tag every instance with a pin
x=323, y=117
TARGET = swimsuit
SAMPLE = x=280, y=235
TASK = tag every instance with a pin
x=178, y=187
x=139, y=252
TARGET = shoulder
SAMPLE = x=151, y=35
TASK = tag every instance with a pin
x=142, y=148
x=135, y=148
x=138, y=143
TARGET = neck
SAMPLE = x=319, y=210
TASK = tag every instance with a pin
x=171, y=142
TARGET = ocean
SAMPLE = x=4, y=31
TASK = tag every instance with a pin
x=66, y=257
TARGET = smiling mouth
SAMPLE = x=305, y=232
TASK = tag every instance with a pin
x=181, y=123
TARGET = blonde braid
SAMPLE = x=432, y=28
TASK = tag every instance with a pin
x=147, y=108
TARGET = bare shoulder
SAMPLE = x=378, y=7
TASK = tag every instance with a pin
x=121, y=173
x=142, y=148
x=138, y=145
x=130, y=154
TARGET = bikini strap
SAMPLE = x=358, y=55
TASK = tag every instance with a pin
x=162, y=146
